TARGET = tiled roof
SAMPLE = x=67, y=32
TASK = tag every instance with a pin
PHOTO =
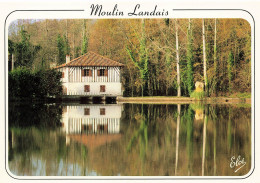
x=91, y=59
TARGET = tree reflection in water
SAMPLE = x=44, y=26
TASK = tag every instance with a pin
x=128, y=139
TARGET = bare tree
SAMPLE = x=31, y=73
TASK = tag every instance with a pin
x=204, y=56
x=215, y=56
x=177, y=60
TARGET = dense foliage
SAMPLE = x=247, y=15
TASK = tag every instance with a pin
x=23, y=83
x=61, y=50
x=84, y=46
x=148, y=51
x=23, y=50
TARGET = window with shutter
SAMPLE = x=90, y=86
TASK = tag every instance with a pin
x=82, y=72
x=102, y=88
x=106, y=72
x=86, y=72
x=86, y=88
x=62, y=74
x=102, y=72
x=90, y=72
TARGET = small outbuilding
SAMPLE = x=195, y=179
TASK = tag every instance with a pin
x=91, y=75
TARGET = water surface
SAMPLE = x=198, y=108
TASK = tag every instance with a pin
x=128, y=139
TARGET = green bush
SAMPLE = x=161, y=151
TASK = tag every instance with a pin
x=23, y=83
x=197, y=95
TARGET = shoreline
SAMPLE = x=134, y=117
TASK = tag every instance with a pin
x=146, y=100
x=184, y=100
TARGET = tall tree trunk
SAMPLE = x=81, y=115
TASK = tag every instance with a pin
x=131, y=80
x=215, y=58
x=235, y=52
x=204, y=58
x=67, y=28
x=190, y=79
x=84, y=45
x=84, y=28
x=177, y=60
x=46, y=28
x=143, y=59
x=47, y=42
x=74, y=53
x=67, y=45
x=142, y=25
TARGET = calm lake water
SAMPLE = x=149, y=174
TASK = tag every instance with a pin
x=128, y=139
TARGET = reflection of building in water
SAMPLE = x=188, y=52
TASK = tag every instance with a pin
x=92, y=125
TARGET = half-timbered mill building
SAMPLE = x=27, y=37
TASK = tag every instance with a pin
x=91, y=75
x=92, y=124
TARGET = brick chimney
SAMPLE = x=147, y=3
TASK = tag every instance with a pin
x=67, y=59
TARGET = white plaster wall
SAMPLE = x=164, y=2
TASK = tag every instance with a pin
x=75, y=75
x=78, y=88
x=65, y=70
x=74, y=82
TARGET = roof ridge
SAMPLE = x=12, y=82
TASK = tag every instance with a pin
x=81, y=60
x=105, y=57
x=75, y=59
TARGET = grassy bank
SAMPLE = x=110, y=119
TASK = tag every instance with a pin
x=184, y=100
